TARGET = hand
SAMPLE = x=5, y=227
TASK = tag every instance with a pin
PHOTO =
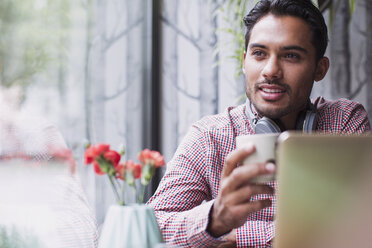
x=230, y=240
x=233, y=203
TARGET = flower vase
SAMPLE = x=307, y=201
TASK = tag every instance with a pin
x=130, y=226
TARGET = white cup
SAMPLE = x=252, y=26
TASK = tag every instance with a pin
x=265, y=151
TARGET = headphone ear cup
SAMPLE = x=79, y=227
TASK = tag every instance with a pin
x=306, y=121
x=301, y=121
x=266, y=125
x=310, y=122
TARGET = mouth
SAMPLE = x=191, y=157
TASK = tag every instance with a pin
x=270, y=92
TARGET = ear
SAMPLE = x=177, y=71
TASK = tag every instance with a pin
x=243, y=69
x=321, y=69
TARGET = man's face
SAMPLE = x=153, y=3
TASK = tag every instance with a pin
x=280, y=66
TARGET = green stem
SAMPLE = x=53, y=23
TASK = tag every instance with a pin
x=142, y=195
x=121, y=187
x=135, y=190
x=118, y=185
x=123, y=191
x=121, y=202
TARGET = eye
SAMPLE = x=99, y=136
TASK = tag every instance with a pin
x=258, y=54
x=292, y=56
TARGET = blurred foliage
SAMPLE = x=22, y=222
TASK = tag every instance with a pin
x=233, y=12
x=315, y=2
x=334, y=5
x=34, y=38
x=16, y=239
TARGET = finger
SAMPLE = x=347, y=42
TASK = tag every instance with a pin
x=236, y=157
x=244, y=194
x=258, y=205
x=253, y=206
x=238, y=214
x=227, y=244
x=231, y=236
x=243, y=174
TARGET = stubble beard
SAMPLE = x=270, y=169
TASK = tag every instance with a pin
x=271, y=113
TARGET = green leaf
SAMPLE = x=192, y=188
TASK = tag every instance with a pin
x=315, y=2
x=147, y=173
x=352, y=6
x=129, y=178
x=35, y=32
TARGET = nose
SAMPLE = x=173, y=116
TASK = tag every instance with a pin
x=272, y=69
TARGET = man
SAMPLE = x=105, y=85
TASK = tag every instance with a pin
x=285, y=45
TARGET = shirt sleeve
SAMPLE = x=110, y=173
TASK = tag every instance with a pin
x=341, y=116
x=187, y=228
x=183, y=199
x=355, y=119
x=255, y=234
x=75, y=221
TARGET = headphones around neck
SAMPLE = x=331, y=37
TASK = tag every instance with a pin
x=306, y=120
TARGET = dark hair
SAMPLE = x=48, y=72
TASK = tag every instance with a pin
x=303, y=9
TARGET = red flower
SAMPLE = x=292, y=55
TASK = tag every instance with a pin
x=144, y=155
x=92, y=152
x=113, y=157
x=87, y=159
x=120, y=171
x=97, y=168
x=134, y=168
x=88, y=155
x=106, y=161
x=130, y=167
x=152, y=157
x=101, y=148
x=158, y=159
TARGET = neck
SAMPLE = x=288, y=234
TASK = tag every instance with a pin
x=289, y=121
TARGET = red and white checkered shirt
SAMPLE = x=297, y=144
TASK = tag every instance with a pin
x=187, y=191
